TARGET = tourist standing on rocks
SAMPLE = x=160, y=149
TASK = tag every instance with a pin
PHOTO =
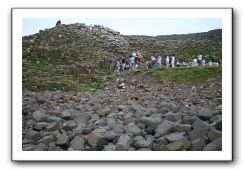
x=159, y=62
x=127, y=64
x=178, y=63
x=173, y=61
x=194, y=62
x=117, y=68
x=199, y=59
x=132, y=62
x=58, y=23
x=203, y=62
x=136, y=62
x=167, y=61
x=170, y=61
x=123, y=63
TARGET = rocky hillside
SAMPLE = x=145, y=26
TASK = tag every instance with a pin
x=72, y=100
x=88, y=43
x=144, y=115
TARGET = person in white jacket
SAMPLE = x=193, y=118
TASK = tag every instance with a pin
x=167, y=61
x=173, y=61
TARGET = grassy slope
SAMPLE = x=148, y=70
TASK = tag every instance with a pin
x=48, y=74
x=191, y=75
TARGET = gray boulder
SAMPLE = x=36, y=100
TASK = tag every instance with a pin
x=58, y=125
x=62, y=139
x=77, y=143
x=96, y=137
x=150, y=122
x=143, y=144
x=197, y=145
x=205, y=114
x=39, y=115
x=123, y=143
x=214, y=134
x=215, y=145
x=133, y=129
x=163, y=128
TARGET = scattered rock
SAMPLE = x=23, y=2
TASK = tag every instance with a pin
x=39, y=115
x=143, y=144
x=214, y=134
x=150, y=122
x=123, y=143
x=47, y=139
x=62, y=139
x=197, y=145
x=205, y=114
x=163, y=128
x=110, y=147
x=175, y=146
x=198, y=133
x=183, y=128
x=65, y=115
x=110, y=135
x=32, y=135
x=133, y=129
x=174, y=117
x=96, y=137
x=215, y=145
x=58, y=125
x=77, y=143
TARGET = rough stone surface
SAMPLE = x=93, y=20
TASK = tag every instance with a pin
x=163, y=128
x=175, y=146
x=123, y=143
x=32, y=135
x=214, y=134
x=55, y=126
x=96, y=137
x=132, y=128
x=215, y=145
x=143, y=144
x=77, y=143
x=149, y=121
x=39, y=115
x=205, y=114
x=62, y=139
x=197, y=145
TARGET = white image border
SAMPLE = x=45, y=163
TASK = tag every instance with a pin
x=19, y=155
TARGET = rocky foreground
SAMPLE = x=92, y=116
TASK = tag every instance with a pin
x=134, y=113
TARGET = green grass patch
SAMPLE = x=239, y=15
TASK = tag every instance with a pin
x=189, y=75
x=41, y=74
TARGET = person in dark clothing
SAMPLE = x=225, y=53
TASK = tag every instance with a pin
x=170, y=61
x=58, y=23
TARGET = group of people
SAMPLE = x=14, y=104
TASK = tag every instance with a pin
x=130, y=63
x=170, y=61
x=199, y=61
